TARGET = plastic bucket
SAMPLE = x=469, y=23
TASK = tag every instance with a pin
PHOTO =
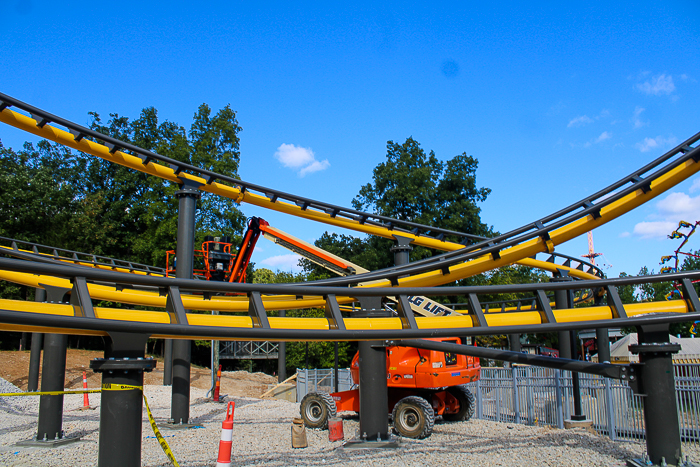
x=335, y=429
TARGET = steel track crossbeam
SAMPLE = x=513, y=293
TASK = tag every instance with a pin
x=621, y=372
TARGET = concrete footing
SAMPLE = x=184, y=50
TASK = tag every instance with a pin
x=49, y=443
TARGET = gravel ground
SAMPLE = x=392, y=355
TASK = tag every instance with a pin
x=261, y=436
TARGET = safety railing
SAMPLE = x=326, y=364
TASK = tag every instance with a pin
x=541, y=396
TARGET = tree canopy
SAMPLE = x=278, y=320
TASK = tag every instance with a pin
x=413, y=186
x=58, y=197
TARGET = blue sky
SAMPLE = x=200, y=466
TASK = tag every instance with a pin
x=555, y=100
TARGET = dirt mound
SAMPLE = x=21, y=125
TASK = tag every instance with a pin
x=15, y=369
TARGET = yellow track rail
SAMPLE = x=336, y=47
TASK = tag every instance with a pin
x=321, y=324
x=65, y=138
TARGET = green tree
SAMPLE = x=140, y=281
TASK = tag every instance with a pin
x=134, y=202
x=320, y=354
x=411, y=186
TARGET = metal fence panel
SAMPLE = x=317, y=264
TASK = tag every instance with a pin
x=320, y=379
x=541, y=396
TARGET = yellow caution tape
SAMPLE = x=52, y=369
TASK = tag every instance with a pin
x=49, y=393
x=163, y=443
x=110, y=387
x=120, y=387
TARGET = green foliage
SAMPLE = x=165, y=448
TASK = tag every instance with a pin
x=414, y=187
x=411, y=186
x=56, y=197
x=266, y=276
x=320, y=354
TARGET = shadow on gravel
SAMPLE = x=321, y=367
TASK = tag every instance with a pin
x=503, y=442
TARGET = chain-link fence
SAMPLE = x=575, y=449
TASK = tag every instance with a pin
x=542, y=396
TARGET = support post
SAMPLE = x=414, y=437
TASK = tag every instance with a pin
x=53, y=377
x=558, y=395
x=516, y=395
x=282, y=355
x=168, y=362
x=514, y=342
x=602, y=336
x=120, y=410
x=335, y=367
x=655, y=383
x=37, y=344
x=35, y=361
x=374, y=396
x=603, y=342
x=564, y=338
x=564, y=299
x=187, y=198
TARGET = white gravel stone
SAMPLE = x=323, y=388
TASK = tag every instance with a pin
x=262, y=436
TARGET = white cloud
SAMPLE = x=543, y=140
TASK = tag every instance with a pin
x=294, y=156
x=299, y=158
x=696, y=186
x=636, y=121
x=673, y=208
x=679, y=204
x=624, y=235
x=657, y=85
x=653, y=143
x=603, y=136
x=654, y=229
x=315, y=166
x=580, y=121
x=285, y=263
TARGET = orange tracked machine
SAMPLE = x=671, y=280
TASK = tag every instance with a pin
x=422, y=384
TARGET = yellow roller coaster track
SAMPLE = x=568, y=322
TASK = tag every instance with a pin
x=519, y=246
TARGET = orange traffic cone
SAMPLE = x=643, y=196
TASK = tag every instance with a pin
x=224, y=459
x=86, y=401
x=217, y=389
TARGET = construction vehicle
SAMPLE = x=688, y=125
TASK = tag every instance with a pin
x=214, y=261
x=422, y=384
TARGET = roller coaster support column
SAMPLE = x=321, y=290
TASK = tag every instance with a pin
x=122, y=399
x=374, y=396
x=282, y=355
x=53, y=375
x=37, y=344
x=565, y=299
x=603, y=342
x=602, y=337
x=514, y=342
x=561, y=301
x=168, y=362
x=655, y=383
x=187, y=196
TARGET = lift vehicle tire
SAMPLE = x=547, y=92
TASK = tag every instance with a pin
x=466, y=404
x=413, y=417
x=316, y=408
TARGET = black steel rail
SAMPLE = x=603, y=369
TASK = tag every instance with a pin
x=79, y=132
x=172, y=289
x=262, y=334
x=313, y=289
x=542, y=227
x=60, y=254
x=591, y=205
x=576, y=263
